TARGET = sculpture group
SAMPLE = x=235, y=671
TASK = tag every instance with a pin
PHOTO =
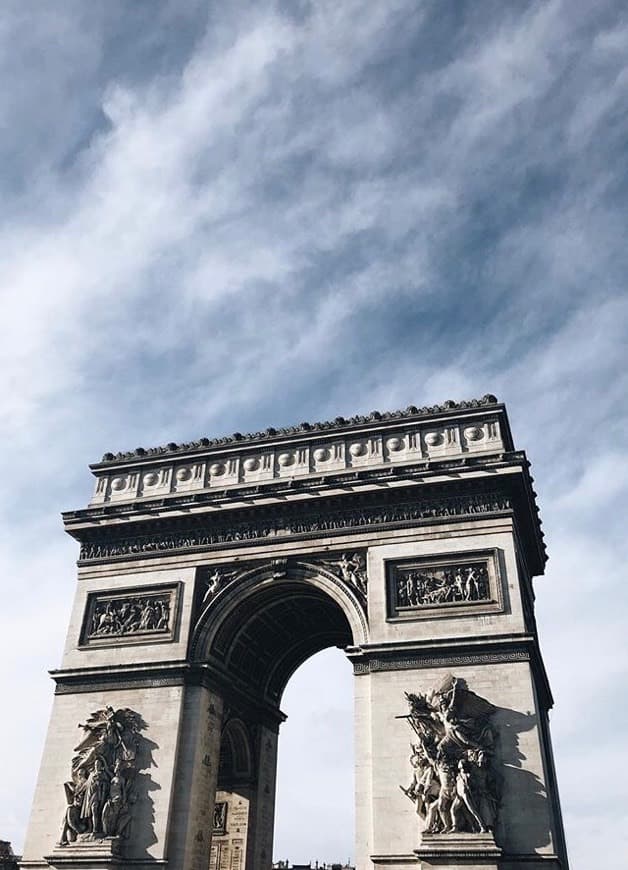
x=452, y=584
x=453, y=784
x=128, y=616
x=100, y=793
x=350, y=567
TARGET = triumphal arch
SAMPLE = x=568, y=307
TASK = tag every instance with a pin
x=209, y=571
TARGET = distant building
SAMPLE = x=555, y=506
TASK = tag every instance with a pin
x=8, y=861
x=286, y=865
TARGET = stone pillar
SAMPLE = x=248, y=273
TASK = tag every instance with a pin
x=243, y=833
x=526, y=822
x=262, y=808
x=196, y=780
x=451, y=612
x=160, y=708
x=363, y=743
x=112, y=671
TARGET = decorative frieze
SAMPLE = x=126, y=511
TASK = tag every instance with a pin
x=301, y=522
x=135, y=615
x=433, y=587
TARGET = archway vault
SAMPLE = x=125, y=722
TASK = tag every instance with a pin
x=270, y=619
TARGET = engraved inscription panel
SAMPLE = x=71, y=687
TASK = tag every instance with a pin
x=130, y=616
x=444, y=586
x=229, y=834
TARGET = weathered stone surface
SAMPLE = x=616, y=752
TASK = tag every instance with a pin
x=210, y=571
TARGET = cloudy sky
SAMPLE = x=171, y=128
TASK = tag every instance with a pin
x=224, y=216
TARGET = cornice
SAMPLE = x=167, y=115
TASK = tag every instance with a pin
x=149, y=675
x=366, y=659
x=233, y=494
x=455, y=652
x=424, y=473
x=276, y=523
x=411, y=501
x=271, y=434
x=378, y=442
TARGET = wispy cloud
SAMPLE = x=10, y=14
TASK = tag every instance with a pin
x=225, y=217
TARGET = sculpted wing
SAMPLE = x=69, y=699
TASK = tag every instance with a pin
x=130, y=719
x=93, y=729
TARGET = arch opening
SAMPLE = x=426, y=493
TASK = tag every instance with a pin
x=315, y=809
x=256, y=636
x=262, y=638
x=235, y=797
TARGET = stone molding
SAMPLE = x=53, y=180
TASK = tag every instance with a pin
x=506, y=858
x=338, y=423
x=295, y=523
x=376, y=441
x=456, y=652
x=153, y=676
x=458, y=845
x=105, y=684
x=365, y=660
x=429, y=472
x=394, y=663
x=84, y=862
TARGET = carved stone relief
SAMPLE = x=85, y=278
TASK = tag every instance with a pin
x=131, y=615
x=351, y=568
x=348, y=567
x=445, y=586
x=453, y=784
x=453, y=583
x=218, y=578
x=298, y=524
x=100, y=793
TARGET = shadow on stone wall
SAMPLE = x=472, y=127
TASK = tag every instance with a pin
x=524, y=815
x=142, y=834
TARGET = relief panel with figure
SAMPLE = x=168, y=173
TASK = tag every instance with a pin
x=444, y=586
x=130, y=616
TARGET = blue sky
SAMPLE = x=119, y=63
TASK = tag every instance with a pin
x=221, y=217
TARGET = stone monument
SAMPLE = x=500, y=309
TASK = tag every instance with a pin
x=208, y=572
